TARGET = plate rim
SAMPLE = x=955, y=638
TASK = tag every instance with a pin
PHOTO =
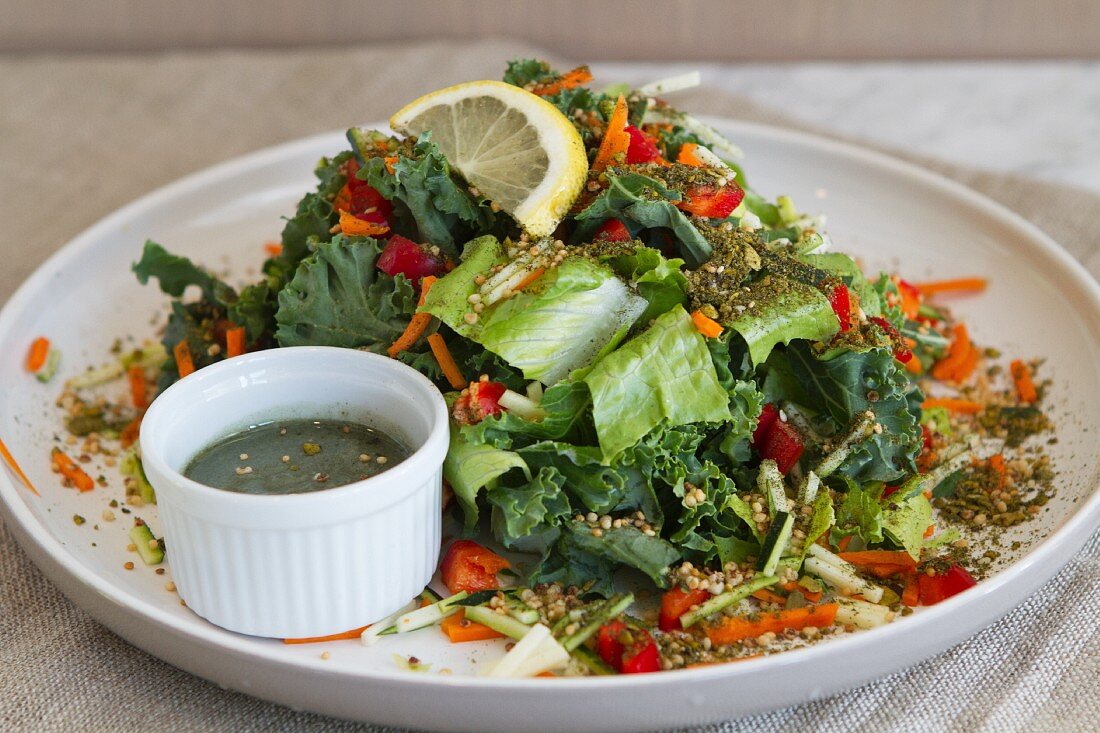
x=1070, y=535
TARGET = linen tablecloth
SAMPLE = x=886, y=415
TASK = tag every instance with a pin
x=82, y=136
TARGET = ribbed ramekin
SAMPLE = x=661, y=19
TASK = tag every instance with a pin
x=309, y=564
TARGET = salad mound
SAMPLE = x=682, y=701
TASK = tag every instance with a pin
x=684, y=388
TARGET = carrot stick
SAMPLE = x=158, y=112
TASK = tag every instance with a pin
x=910, y=595
x=234, y=342
x=1025, y=387
x=353, y=634
x=417, y=324
x=687, y=156
x=914, y=366
x=184, y=363
x=139, y=390
x=568, y=80
x=458, y=629
x=710, y=328
x=960, y=346
x=10, y=460
x=391, y=162
x=39, y=351
x=997, y=463
x=446, y=361
x=966, y=368
x=879, y=557
x=769, y=596
x=353, y=226
x=129, y=434
x=532, y=277
x=844, y=542
x=615, y=141
x=342, y=202
x=962, y=284
x=737, y=628
x=809, y=595
x=71, y=471
x=966, y=407
x=273, y=249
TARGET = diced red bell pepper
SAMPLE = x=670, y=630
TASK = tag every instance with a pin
x=901, y=351
x=641, y=655
x=479, y=401
x=468, y=566
x=675, y=603
x=642, y=149
x=769, y=416
x=711, y=201
x=404, y=256
x=888, y=491
x=926, y=437
x=363, y=199
x=936, y=588
x=784, y=446
x=613, y=230
x=842, y=306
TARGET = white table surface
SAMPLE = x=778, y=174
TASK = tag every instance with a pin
x=1034, y=118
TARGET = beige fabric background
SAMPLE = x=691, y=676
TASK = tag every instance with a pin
x=80, y=137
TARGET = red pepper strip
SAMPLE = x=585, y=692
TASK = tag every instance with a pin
x=640, y=656
x=642, y=149
x=764, y=424
x=468, y=566
x=784, y=446
x=842, y=306
x=675, y=603
x=613, y=230
x=936, y=588
x=711, y=201
x=644, y=657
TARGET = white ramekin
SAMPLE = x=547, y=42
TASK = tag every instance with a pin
x=310, y=564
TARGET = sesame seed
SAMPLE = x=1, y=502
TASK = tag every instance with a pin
x=363, y=457
x=244, y=471
x=286, y=459
x=381, y=460
x=244, y=456
x=325, y=655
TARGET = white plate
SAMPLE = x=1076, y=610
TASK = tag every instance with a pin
x=890, y=213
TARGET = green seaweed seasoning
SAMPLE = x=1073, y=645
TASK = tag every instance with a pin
x=295, y=457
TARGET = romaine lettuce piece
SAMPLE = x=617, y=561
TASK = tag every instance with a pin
x=469, y=468
x=660, y=281
x=662, y=376
x=907, y=522
x=779, y=310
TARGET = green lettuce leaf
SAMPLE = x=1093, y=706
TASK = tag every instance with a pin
x=907, y=522
x=642, y=202
x=662, y=376
x=846, y=269
x=444, y=211
x=338, y=297
x=526, y=518
x=780, y=314
x=469, y=468
x=565, y=405
x=822, y=517
x=314, y=217
x=657, y=279
x=859, y=514
x=175, y=273
x=846, y=384
x=447, y=298
x=579, y=553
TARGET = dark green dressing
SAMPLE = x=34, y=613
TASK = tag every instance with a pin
x=295, y=456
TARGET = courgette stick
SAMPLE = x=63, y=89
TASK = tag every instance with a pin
x=722, y=600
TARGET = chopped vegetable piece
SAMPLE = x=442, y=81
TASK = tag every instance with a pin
x=418, y=324
x=36, y=356
x=965, y=407
x=446, y=362
x=842, y=306
x=352, y=634
x=784, y=446
x=10, y=460
x=769, y=416
x=71, y=471
x=459, y=629
x=184, y=364
x=710, y=328
x=479, y=401
x=687, y=156
x=403, y=256
x=234, y=342
x=139, y=389
x=531, y=277
x=148, y=547
x=612, y=230
x=962, y=284
x=273, y=249
x=940, y=587
x=628, y=649
x=615, y=141
x=737, y=628
x=676, y=602
x=468, y=566
x=354, y=226
x=130, y=433
x=641, y=149
x=711, y=201
x=568, y=80
x=1025, y=387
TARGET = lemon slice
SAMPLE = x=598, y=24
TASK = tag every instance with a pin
x=516, y=148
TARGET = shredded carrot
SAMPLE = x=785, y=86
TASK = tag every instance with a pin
x=969, y=363
x=844, y=542
x=184, y=363
x=910, y=302
x=458, y=629
x=139, y=389
x=966, y=407
x=568, y=80
x=769, y=596
x=353, y=226
x=930, y=531
x=914, y=366
x=531, y=277
x=36, y=357
x=353, y=634
x=962, y=284
x=879, y=557
x=957, y=352
x=687, y=156
x=342, y=202
x=735, y=628
x=129, y=434
x=1025, y=387
x=616, y=140
x=273, y=249
x=234, y=342
x=710, y=328
x=417, y=324
x=10, y=460
x=910, y=595
x=71, y=471
x=810, y=595
x=446, y=361
x=390, y=162
x=997, y=464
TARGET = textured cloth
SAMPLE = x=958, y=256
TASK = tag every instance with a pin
x=80, y=137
